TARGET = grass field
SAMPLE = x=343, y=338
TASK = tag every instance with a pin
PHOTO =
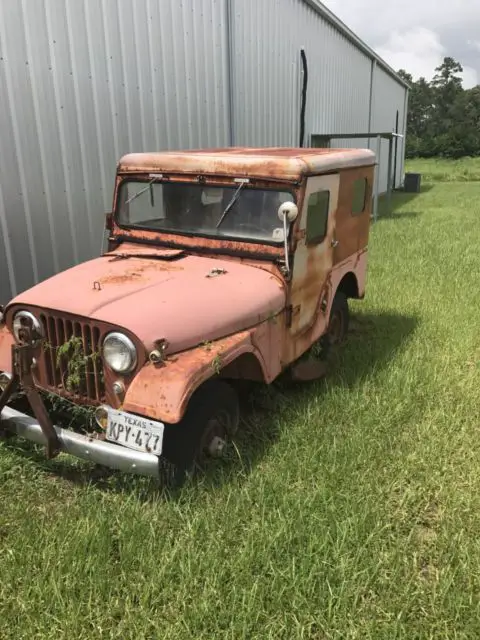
x=351, y=508
x=439, y=170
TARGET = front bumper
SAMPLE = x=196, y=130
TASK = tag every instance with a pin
x=101, y=452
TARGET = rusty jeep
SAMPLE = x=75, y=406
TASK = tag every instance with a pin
x=219, y=266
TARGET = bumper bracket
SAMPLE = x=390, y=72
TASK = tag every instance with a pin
x=22, y=367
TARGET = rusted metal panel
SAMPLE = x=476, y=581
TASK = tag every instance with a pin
x=364, y=219
x=351, y=231
x=162, y=391
x=6, y=343
x=294, y=346
x=199, y=244
x=158, y=390
x=358, y=265
x=176, y=293
x=274, y=162
x=312, y=263
x=319, y=269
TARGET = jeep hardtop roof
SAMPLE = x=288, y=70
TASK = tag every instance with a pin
x=284, y=163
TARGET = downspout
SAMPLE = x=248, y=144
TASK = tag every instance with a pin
x=304, y=96
x=229, y=10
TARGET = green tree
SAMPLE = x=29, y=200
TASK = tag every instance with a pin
x=443, y=118
x=464, y=134
x=448, y=93
x=421, y=105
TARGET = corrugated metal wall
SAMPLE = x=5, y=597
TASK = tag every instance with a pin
x=267, y=39
x=84, y=81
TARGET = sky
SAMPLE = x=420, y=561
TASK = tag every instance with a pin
x=416, y=34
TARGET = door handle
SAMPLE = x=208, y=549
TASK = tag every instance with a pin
x=334, y=243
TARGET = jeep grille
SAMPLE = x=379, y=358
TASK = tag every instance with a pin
x=73, y=363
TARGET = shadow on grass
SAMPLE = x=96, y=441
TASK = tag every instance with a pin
x=373, y=341
x=400, y=200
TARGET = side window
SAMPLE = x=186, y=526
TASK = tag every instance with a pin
x=317, y=216
x=359, y=196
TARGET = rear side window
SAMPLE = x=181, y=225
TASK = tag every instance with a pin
x=359, y=196
x=317, y=216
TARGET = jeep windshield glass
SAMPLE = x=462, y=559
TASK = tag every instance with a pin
x=197, y=209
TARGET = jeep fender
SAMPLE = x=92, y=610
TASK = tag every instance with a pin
x=162, y=391
x=6, y=342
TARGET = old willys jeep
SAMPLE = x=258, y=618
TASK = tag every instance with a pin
x=220, y=266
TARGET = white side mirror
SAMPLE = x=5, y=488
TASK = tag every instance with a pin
x=288, y=211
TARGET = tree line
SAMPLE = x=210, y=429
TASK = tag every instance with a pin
x=443, y=117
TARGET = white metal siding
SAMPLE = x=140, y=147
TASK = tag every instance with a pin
x=84, y=81
x=268, y=36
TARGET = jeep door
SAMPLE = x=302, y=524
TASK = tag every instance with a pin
x=352, y=217
x=313, y=259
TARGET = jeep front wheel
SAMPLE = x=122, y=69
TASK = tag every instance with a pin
x=212, y=417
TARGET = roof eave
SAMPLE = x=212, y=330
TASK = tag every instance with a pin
x=264, y=168
x=330, y=17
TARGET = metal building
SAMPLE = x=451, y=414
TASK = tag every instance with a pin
x=83, y=82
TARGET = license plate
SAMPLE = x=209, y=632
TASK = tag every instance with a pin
x=135, y=432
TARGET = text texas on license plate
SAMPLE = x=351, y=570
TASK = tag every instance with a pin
x=135, y=432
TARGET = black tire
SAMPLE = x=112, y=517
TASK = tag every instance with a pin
x=213, y=412
x=338, y=321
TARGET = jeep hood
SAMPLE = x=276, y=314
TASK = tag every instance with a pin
x=182, y=298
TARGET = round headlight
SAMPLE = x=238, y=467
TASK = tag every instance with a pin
x=24, y=319
x=119, y=353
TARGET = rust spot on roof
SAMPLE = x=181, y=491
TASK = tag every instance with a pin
x=281, y=163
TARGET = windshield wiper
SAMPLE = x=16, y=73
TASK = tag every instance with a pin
x=139, y=193
x=232, y=202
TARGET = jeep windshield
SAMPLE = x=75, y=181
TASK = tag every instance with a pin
x=196, y=209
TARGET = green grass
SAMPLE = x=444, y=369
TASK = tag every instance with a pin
x=350, y=510
x=440, y=170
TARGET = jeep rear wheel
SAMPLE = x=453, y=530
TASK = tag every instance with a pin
x=211, y=419
x=339, y=319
